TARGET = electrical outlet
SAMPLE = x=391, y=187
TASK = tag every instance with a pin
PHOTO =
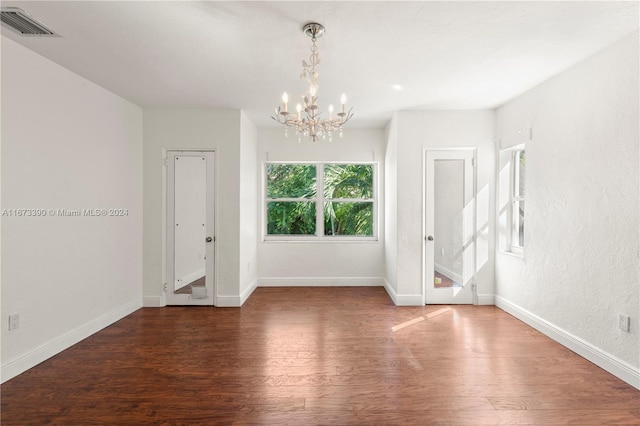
x=14, y=321
x=624, y=322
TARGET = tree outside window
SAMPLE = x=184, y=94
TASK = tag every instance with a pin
x=338, y=198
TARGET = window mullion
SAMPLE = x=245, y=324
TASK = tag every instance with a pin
x=320, y=200
x=351, y=200
x=294, y=200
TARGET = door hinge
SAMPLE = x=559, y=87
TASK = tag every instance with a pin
x=473, y=161
x=166, y=162
x=165, y=287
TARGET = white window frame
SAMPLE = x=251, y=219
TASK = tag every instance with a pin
x=515, y=197
x=320, y=200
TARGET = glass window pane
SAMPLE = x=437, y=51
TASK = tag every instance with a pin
x=518, y=223
x=348, y=181
x=291, y=218
x=354, y=219
x=520, y=174
x=291, y=181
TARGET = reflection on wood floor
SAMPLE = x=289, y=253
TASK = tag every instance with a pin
x=304, y=356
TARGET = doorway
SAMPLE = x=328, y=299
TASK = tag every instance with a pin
x=450, y=219
x=190, y=227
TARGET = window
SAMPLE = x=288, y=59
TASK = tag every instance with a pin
x=517, y=201
x=291, y=199
x=320, y=201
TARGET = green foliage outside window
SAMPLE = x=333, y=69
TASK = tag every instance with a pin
x=291, y=218
x=348, y=181
x=291, y=181
x=348, y=193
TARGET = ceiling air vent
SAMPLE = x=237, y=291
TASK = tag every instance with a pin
x=20, y=22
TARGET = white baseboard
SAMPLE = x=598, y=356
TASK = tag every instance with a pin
x=403, y=299
x=608, y=362
x=228, y=301
x=486, y=299
x=409, y=300
x=244, y=296
x=58, y=345
x=154, y=301
x=236, y=301
x=391, y=292
x=321, y=282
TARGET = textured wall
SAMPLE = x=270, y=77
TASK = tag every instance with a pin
x=580, y=266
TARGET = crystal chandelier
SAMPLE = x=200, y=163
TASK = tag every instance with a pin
x=310, y=124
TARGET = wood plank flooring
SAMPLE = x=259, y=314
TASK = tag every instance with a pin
x=306, y=356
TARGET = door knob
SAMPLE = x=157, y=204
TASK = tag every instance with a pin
x=430, y=238
x=209, y=239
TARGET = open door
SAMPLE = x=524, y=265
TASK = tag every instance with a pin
x=190, y=227
x=449, y=227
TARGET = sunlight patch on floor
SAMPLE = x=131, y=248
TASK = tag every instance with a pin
x=419, y=319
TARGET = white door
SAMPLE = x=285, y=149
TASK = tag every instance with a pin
x=449, y=226
x=190, y=227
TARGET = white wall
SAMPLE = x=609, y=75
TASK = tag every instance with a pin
x=67, y=144
x=417, y=131
x=249, y=197
x=580, y=266
x=391, y=205
x=322, y=263
x=205, y=129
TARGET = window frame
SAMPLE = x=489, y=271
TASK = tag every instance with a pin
x=320, y=201
x=515, y=198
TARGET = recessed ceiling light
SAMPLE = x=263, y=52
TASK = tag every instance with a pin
x=397, y=87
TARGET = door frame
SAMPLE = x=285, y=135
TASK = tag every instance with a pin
x=474, y=154
x=211, y=266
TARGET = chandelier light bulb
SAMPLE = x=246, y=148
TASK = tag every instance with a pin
x=299, y=109
x=343, y=100
x=285, y=100
x=331, y=112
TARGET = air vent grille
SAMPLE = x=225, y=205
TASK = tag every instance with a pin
x=19, y=21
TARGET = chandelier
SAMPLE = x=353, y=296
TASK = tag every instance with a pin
x=311, y=124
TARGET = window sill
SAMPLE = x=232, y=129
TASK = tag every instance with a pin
x=516, y=254
x=316, y=240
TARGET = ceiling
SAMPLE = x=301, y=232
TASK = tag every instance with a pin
x=243, y=55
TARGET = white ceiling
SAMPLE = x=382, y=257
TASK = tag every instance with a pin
x=243, y=55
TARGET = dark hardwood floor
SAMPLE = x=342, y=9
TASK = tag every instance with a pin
x=304, y=356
